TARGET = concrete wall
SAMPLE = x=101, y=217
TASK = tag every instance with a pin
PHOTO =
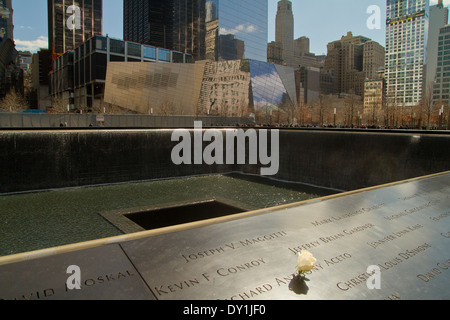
x=21, y=120
x=354, y=160
x=35, y=160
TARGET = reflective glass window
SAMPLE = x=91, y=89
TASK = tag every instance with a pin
x=101, y=43
x=149, y=52
x=117, y=46
x=221, y=29
x=164, y=55
x=243, y=29
x=177, y=57
x=269, y=93
x=134, y=49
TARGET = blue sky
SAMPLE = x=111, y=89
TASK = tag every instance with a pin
x=322, y=21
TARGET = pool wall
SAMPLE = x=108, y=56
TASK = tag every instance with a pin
x=345, y=160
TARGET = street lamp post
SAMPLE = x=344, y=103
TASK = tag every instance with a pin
x=335, y=117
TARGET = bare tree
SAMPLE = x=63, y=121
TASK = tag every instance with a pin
x=13, y=102
x=427, y=104
x=243, y=109
x=320, y=108
x=353, y=106
x=99, y=107
x=301, y=113
x=83, y=108
x=166, y=108
x=59, y=105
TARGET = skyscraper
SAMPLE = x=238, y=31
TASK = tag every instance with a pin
x=6, y=20
x=406, y=42
x=148, y=22
x=441, y=88
x=207, y=29
x=438, y=19
x=345, y=64
x=72, y=22
x=284, y=33
x=285, y=49
x=374, y=55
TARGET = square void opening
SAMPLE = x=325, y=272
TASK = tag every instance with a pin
x=170, y=216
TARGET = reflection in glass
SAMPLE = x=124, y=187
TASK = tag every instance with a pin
x=101, y=43
x=117, y=46
x=225, y=89
x=134, y=49
x=149, y=52
x=177, y=57
x=269, y=93
x=221, y=29
x=243, y=29
x=164, y=55
x=234, y=88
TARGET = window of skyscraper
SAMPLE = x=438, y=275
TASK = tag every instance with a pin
x=134, y=49
x=101, y=43
x=117, y=46
x=149, y=52
x=177, y=57
x=243, y=29
x=163, y=55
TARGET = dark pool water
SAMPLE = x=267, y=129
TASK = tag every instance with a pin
x=35, y=221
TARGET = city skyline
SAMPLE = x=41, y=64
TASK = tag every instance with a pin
x=322, y=27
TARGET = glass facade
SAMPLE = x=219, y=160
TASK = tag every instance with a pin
x=207, y=29
x=148, y=22
x=441, y=87
x=221, y=88
x=243, y=31
x=406, y=42
x=268, y=89
x=61, y=37
x=6, y=27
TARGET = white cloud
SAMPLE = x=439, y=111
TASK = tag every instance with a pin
x=31, y=45
x=267, y=89
x=434, y=2
x=249, y=28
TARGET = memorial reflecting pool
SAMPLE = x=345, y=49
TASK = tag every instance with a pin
x=35, y=221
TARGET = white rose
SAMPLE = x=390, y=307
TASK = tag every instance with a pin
x=305, y=261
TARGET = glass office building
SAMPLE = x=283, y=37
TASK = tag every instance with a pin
x=406, y=43
x=148, y=22
x=207, y=29
x=6, y=17
x=72, y=22
x=242, y=29
x=78, y=76
x=441, y=88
